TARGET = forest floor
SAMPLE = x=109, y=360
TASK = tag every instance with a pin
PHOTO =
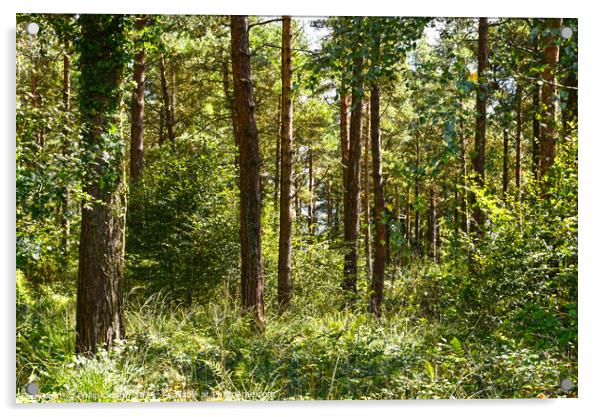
x=205, y=352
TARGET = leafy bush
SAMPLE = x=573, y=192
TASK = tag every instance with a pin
x=182, y=223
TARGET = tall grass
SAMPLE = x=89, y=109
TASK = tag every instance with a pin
x=317, y=350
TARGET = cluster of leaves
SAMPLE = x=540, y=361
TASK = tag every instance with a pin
x=182, y=233
x=48, y=158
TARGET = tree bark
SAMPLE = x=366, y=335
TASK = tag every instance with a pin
x=352, y=198
x=548, y=97
x=137, y=130
x=250, y=186
x=380, y=249
x=99, y=295
x=167, y=105
x=366, y=174
x=286, y=158
x=478, y=160
x=277, y=155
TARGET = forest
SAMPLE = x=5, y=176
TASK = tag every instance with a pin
x=240, y=208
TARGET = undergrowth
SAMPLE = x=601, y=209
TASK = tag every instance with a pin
x=206, y=352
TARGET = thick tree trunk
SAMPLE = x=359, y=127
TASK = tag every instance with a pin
x=519, y=139
x=167, y=105
x=478, y=160
x=366, y=174
x=66, y=77
x=250, y=187
x=101, y=251
x=137, y=131
x=380, y=250
x=352, y=197
x=286, y=158
x=548, y=97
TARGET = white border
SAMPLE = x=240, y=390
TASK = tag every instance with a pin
x=590, y=275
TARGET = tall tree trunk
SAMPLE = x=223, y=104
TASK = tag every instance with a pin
x=416, y=197
x=101, y=250
x=366, y=174
x=463, y=181
x=548, y=97
x=519, y=136
x=286, y=158
x=277, y=156
x=161, y=125
x=380, y=250
x=169, y=114
x=173, y=71
x=65, y=226
x=137, y=131
x=505, y=165
x=250, y=186
x=352, y=197
x=478, y=160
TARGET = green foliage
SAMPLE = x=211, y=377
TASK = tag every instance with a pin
x=177, y=352
x=494, y=316
x=182, y=222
